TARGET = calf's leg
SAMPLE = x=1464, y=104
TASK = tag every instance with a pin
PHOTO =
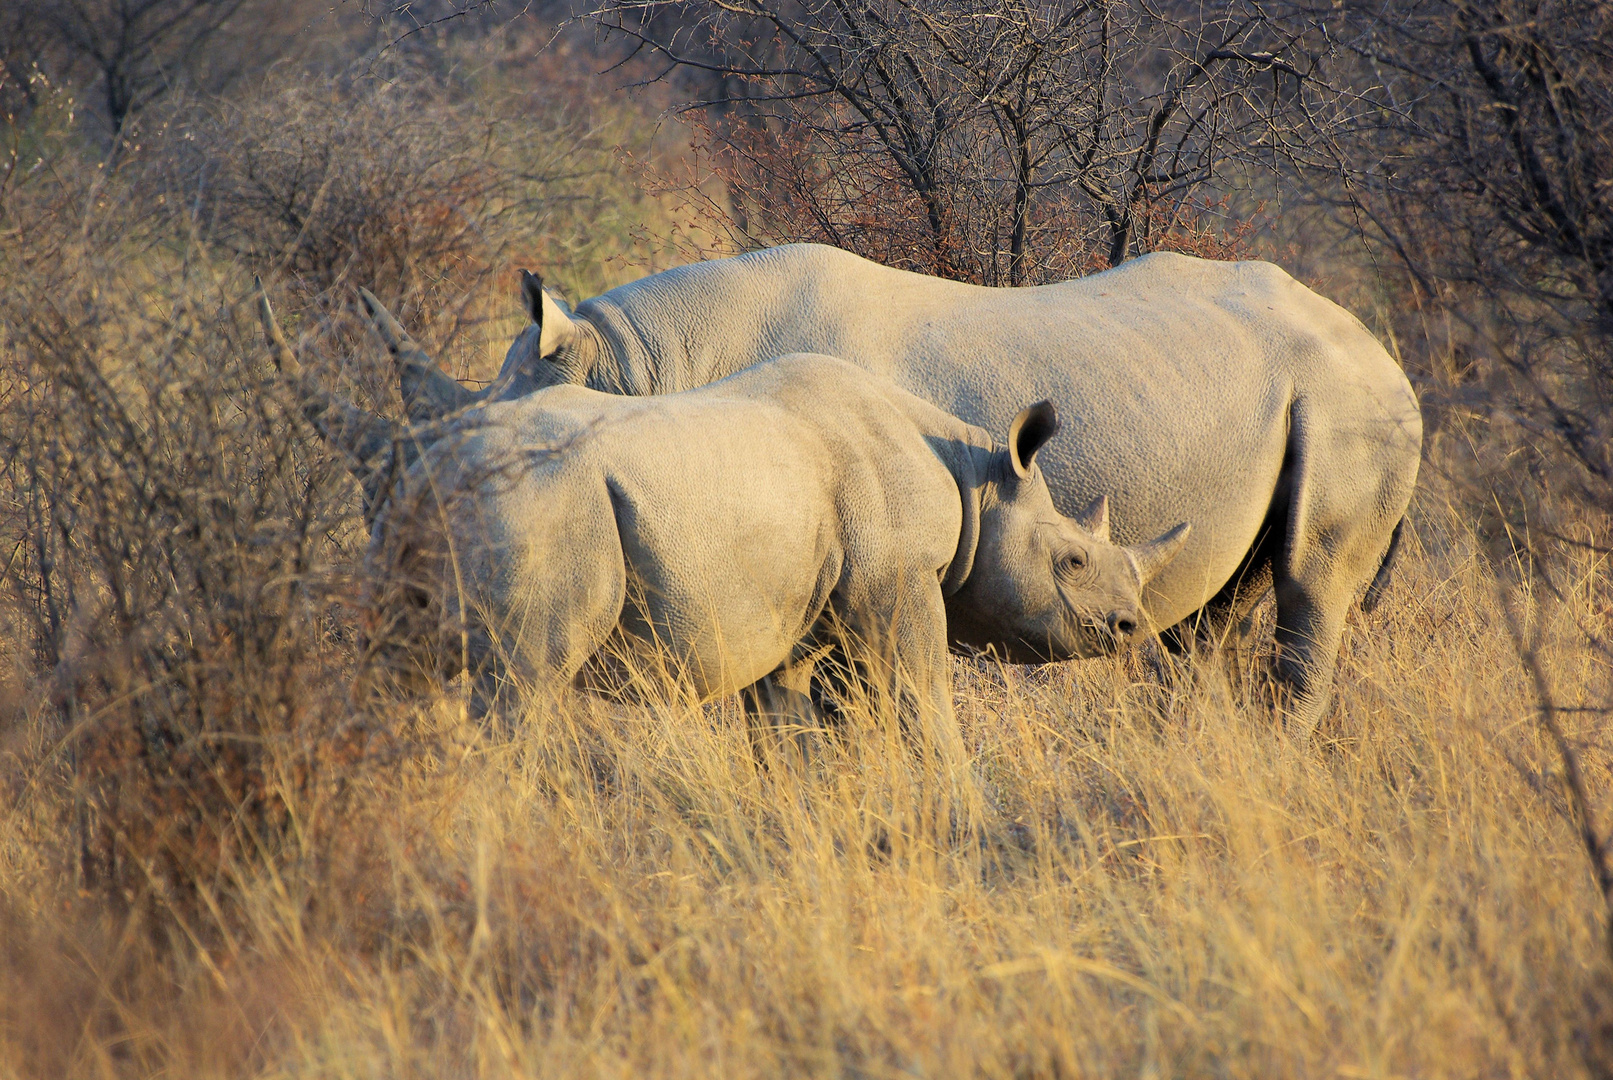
x=903, y=627
x=779, y=707
x=562, y=606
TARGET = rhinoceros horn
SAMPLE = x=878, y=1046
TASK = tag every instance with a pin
x=1095, y=518
x=428, y=391
x=1150, y=558
x=360, y=434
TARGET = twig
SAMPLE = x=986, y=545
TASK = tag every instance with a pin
x=1574, y=779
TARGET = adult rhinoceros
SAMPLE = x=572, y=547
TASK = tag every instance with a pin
x=1225, y=394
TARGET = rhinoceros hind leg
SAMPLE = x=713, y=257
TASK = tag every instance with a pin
x=1338, y=529
x=781, y=711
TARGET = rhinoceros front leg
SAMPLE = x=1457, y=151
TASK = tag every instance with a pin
x=1310, y=624
x=903, y=631
x=1224, y=626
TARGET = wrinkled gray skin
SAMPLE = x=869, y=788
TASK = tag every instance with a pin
x=1225, y=394
x=743, y=527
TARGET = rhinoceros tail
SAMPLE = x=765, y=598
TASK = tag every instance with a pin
x=1380, y=580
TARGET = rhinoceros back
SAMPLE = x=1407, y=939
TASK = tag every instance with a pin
x=1175, y=376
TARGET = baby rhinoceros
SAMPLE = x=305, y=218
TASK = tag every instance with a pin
x=731, y=532
x=737, y=527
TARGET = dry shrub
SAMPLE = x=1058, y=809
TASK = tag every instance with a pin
x=166, y=528
x=363, y=183
x=430, y=191
x=357, y=182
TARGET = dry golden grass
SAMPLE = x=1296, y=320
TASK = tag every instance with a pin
x=1168, y=886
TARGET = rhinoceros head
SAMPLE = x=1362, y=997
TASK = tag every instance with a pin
x=430, y=570
x=541, y=354
x=376, y=449
x=1044, y=586
x=424, y=593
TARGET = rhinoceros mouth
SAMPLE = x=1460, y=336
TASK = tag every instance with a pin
x=1090, y=636
x=1077, y=639
x=1103, y=641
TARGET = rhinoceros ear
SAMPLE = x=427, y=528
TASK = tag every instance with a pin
x=532, y=296
x=1150, y=558
x=1029, y=432
x=555, y=328
x=1095, y=518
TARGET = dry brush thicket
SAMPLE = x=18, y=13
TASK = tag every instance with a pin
x=1482, y=178
x=1000, y=143
x=219, y=858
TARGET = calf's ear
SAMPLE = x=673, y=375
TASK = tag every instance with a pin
x=1029, y=432
x=555, y=327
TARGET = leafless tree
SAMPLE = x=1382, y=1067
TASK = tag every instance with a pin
x=133, y=51
x=1486, y=175
x=1483, y=169
x=989, y=141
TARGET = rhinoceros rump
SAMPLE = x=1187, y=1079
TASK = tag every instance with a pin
x=1225, y=394
x=733, y=530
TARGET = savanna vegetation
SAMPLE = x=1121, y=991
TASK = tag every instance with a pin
x=224, y=853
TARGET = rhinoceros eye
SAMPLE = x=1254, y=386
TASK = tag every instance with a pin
x=1075, y=561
